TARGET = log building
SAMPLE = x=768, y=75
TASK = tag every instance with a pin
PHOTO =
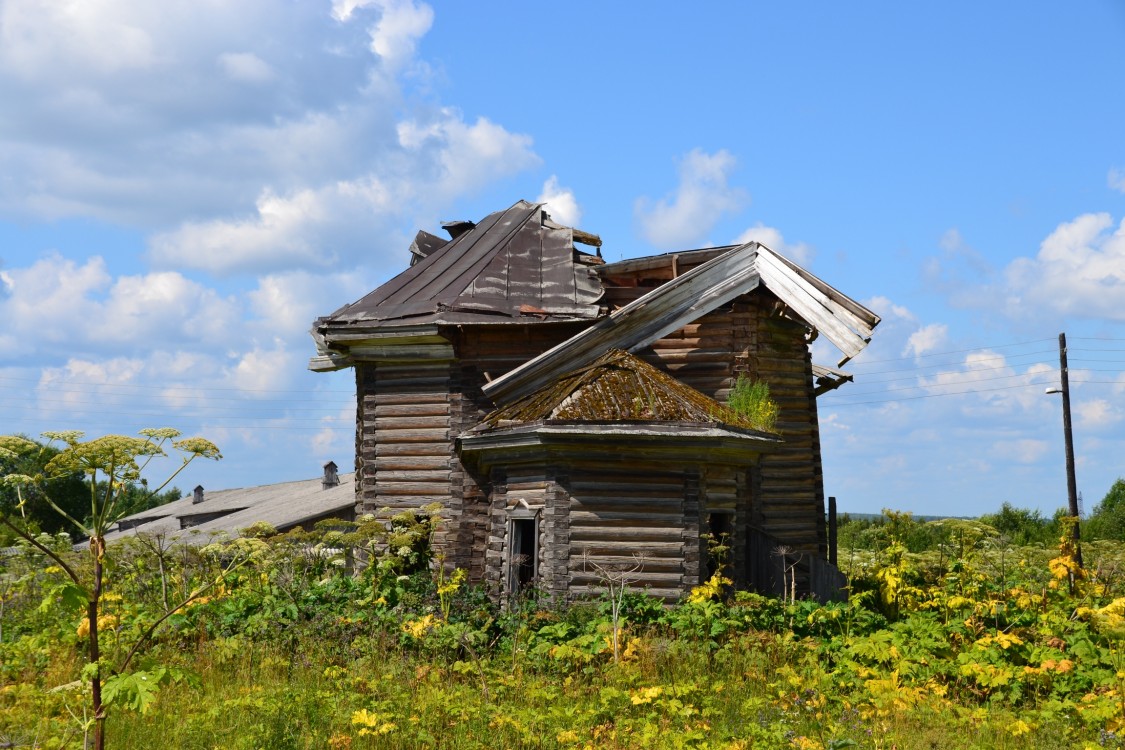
x=568, y=413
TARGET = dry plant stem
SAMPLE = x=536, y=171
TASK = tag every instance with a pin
x=616, y=580
x=194, y=595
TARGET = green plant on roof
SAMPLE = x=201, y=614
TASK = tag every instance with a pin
x=751, y=400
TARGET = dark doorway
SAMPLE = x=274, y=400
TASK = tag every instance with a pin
x=523, y=554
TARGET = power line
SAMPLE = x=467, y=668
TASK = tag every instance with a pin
x=165, y=388
x=830, y=398
x=998, y=358
x=956, y=351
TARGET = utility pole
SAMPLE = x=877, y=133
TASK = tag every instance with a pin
x=1068, y=438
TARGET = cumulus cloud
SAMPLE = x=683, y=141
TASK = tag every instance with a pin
x=927, y=339
x=57, y=301
x=798, y=252
x=685, y=217
x=245, y=67
x=1078, y=273
x=1097, y=413
x=247, y=137
x=561, y=203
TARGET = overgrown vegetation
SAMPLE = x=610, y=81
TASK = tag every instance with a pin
x=974, y=643
x=751, y=400
x=111, y=468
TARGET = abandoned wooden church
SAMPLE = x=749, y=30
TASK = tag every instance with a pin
x=564, y=410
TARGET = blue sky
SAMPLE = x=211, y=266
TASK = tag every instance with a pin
x=185, y=187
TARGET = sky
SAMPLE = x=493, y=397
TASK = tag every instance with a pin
x=186, y=186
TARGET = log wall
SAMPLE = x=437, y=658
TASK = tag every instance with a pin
x=409, y=415
x=786, y=498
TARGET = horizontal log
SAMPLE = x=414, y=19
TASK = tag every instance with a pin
x=661, y=580
x=433, y=397
x=433, y=435
x=412, y=463
x=413, y=410
x=521, y=484
x=615, y=547
x=426, y=489
x=580, y=535
x=390, y=424
x=642, y=483
x=418, y=475
x=639, y=500
x=670, y=593
x=647, y=517
x=652, y=565
x=436, y=448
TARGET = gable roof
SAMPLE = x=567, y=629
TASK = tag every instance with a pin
x=616, y=387
x=689, y=297
x=514, y=263
x=226, y=512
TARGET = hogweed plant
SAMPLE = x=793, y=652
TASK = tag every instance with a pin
x=110, y=465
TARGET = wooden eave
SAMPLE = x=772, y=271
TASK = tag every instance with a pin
x=689, y=297
x=399, y=344
x=676, y=442
x=828, y=378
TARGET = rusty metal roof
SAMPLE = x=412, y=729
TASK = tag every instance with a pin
x=616, y=387
x=514, y=264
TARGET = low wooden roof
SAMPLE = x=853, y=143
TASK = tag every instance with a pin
x=282, y=506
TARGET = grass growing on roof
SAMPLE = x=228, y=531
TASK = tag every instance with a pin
x=751, y=400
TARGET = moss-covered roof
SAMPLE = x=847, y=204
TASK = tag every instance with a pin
x=616, y=387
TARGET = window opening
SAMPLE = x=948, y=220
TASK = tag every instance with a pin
x=523, y=561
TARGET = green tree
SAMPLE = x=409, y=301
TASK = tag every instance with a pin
x=1022, y=526
x=68, y=491
x=110, y=466
x=1108, y=518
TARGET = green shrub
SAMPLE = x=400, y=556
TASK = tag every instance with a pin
x=751, y=399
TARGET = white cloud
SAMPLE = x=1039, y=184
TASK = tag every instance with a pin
x=402, y=23
x=887, y=309
x=1079, y=272
x=1024, y=451
x=561, y=203
x=798, y=252
x=1097, y=413
x=328, y=225
x=243, y=137
x=262, y=370
x=927, y=339
x=684, y=218
x=1116, y=179
x=245, y=67
x=103, y=37
x=57, y=303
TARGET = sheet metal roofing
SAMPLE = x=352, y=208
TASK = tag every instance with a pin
x=616, y=387
x=514, y=264
x=280, y=505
